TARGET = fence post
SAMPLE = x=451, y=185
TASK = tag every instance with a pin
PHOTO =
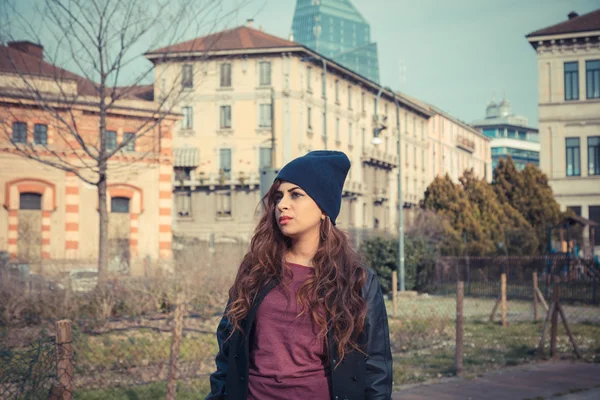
x=395, y=291
x=554, y=321
x=175, y=346
x=460, y=295
x=64, y=356
x=503, y=300
x=535, y=296
x=594, y=291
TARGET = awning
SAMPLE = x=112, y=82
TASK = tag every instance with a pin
x=186, y=157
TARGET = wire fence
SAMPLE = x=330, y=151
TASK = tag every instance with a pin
x=154, y=337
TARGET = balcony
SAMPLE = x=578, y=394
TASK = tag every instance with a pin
x=380, y=194
x=379, y=158
x=352, y=188
x=465, y=144
x=212, y=180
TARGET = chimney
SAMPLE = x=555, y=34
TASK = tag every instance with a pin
x=250, y=22
x=24, y=46
x=573, y=14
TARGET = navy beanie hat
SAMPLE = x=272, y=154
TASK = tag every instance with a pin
x=321, y=174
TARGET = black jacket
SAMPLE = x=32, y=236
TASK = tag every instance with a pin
x=357, y=377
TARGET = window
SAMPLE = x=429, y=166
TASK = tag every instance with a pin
x=265, y=73
x=226, y=75
x=130, y=146
x=415, y=156
x=225, y=122
x=323, y=84
x=415, y=126
x=309, y=79
x=364, y=138
x=183, y=204
x=224, y=203
x=349, y=97
x=576, y=210
x=337, y=130
x=30, y=201
x=187, y=76
x=405, y=122
x=350, y=134
x=592, y=79
x=40, y=134
x=422, y=130
x=19, y=132
x=594, y=215
x=187, y=120
x=571, y=81
x=225, y=162
x=111, y=140
x=573, y=157
x=337, y=90
x=309, y=118
x=265, y=157
x=423, y=158
x=362, y=101
x=119, y=205
x=265, y=116
x=594, y=155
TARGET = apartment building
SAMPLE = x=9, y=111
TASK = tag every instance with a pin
x=246, y=88
x=569, y=106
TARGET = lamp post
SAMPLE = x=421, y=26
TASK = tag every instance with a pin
x=376, y=140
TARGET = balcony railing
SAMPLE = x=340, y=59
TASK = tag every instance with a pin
x=465, y=144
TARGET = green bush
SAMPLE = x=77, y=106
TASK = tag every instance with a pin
x=381, y=254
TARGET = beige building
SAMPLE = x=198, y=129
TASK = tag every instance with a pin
x=49, y=216
x=246, y=87
x=569, y=104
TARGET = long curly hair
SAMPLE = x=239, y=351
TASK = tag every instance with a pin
x=332, y=295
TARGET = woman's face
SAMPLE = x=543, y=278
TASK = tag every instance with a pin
x=296, y=212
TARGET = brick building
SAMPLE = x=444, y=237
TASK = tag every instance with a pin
x=49, y=214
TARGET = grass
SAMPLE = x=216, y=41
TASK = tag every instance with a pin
x=112, y=364
x=423, y=336
x=197, y=389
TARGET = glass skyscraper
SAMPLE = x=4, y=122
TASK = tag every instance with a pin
x=335, y=29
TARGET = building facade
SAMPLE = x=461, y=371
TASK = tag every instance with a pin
x=256, y=89
x=50, y=215
x=511, y=135
x=455, y=147
x=569, y=106
x=337, y=30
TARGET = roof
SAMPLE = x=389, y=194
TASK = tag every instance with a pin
x=583, y=23
x=186, y=157
x=19, y=62
x=15, y=61
x=239, y=38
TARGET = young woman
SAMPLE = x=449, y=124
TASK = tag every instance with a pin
x=305, y=320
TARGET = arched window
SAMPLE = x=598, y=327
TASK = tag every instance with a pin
x=119, y=205
x=30, y=201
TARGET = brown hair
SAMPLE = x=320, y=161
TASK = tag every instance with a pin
x=335, y=287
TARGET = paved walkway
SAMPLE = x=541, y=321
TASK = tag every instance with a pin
x=569, y=380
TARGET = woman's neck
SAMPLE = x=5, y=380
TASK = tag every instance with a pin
x=302, y=251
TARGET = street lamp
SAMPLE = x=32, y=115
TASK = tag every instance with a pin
x=376, y=141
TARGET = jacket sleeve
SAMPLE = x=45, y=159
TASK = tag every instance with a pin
x=378, y=379
x=219, y=377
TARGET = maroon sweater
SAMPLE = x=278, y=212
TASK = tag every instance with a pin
x=286, y=355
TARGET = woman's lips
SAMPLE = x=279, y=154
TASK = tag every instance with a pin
x=284, y=220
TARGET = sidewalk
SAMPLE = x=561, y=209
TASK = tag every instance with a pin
x=569, y=380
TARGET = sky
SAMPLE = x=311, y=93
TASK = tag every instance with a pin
x=454, y=54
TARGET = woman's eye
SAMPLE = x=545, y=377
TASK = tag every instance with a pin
x=296, y=195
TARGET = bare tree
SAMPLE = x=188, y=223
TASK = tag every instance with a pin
x=100, y=40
